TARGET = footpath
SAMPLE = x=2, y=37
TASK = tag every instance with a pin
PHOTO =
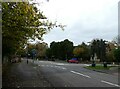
x=24, y=75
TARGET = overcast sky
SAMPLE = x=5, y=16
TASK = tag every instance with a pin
x=85, y=19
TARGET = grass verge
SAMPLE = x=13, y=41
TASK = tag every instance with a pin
x=98, y=67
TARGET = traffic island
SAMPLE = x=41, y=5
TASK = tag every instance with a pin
x=101, y=68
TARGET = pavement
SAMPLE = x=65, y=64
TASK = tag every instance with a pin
x=24, y=75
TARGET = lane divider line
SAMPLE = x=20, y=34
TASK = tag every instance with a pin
x=80, y=74
x=110, y=83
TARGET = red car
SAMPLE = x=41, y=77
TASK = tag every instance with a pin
x=73, y=60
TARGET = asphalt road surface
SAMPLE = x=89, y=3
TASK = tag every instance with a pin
x=74, y=75
x=56, y=74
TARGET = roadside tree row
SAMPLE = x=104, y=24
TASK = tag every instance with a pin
x=22, y=21
x=103, y=50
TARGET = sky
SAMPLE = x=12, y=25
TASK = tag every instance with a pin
x=85, y=20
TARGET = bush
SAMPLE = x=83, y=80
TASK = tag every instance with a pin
x=117, y=54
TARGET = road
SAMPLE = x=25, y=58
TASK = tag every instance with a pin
x=55, y=74
x=75, y=75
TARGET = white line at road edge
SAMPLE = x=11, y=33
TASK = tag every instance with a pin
x=110, y=83
x=80, y=74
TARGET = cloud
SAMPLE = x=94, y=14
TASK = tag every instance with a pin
x=85, y=19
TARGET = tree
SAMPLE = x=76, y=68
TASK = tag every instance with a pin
x=110, y=51
x=82, y=51
x=78, y=51
x=98, y=47
x=29, y=49
x=54, y=49
x=48, y=53
x=41, y=49
x=86, y=54
x=61, y=50
x=117, y=54
x=22, y=21
x=68, y=48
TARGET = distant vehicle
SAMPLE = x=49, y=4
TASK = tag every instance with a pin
x=73, y=60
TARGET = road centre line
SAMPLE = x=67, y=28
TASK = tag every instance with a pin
x=110, y=83
x=80, y=74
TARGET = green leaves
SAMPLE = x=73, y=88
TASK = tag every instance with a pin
x=117, y=54
x=22, y=21
x=19, y=21
x=61, y=50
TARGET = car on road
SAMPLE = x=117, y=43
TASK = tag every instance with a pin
x=73, y=60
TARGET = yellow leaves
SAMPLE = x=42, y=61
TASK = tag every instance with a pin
x=78, y=50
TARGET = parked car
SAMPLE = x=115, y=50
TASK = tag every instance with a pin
x=73, y=60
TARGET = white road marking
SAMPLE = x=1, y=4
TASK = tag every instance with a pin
x=57, y=66
x=47, y=65
x=42, y=65
x=86, y=64
x=60, y=67
x=60, y=64
x=64, y=68
x=110, y=83
x=41, y=61
x=54, y=66
x=80, y=74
